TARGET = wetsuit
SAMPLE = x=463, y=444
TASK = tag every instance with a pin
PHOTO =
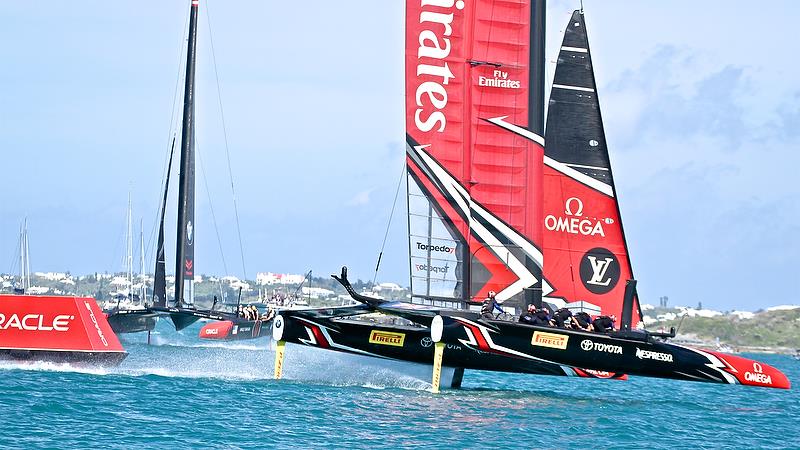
x=603, y=324
x=561, y=316
x=488, y=307
x=541, y=317
x=527, y=317
x=584, y=319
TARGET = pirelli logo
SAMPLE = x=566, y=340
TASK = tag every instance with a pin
x=550, y=340
x=387, y=338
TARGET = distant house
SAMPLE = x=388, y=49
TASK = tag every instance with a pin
x=52, y=276
x=387, y=287
x=743, y=315
x=269, y=278
x=119, y=281
x=236, y=285
x=692, y=312
x=783, y=308
x=38, y=290
x=315, y=292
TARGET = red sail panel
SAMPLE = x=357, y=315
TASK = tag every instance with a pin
x=586, y=257
x=585, y=254
x=467, y=76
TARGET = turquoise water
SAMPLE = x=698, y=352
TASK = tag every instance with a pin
x=181, y=392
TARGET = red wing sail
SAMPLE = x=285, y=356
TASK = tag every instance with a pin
x=584, y=244
x=474, y=171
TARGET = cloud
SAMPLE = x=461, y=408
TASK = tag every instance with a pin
x=360, y=199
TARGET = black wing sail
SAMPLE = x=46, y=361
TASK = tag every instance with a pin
x=184, y=259
x=585, y=253
x=160, y=281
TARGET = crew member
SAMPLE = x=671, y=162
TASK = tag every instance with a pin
x=489, y=305
x=562, y=317
x=269, y=315
x=542, y=317
x=528, y=316
x=582, y=321
x=604, y=324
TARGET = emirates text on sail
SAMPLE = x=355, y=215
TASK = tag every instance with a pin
x=434, y=47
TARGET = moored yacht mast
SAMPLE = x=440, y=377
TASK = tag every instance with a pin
x=24, y=258
x=129, y=249
x=143, y=289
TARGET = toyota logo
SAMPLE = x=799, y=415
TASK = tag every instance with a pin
x=587, y=345
x=426, y=342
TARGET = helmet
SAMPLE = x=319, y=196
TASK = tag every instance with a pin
x=531, y=307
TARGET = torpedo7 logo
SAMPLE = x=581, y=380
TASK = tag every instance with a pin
x=599, y=270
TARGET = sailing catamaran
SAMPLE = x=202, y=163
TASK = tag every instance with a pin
x=473, y=72
x=181, y=311
x=475, y=183
x=580, y=172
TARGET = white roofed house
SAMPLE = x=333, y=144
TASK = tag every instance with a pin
x=387, y=287
x=315, y=292
x=236, y=285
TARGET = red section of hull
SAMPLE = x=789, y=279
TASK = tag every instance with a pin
x=589, y=373
x=56, y=328
x=220, y=330
x=236, y=330
x=753, y=373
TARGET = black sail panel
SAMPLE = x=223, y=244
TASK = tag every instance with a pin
x=160, y=281
x=578, y=138
x=585, y=252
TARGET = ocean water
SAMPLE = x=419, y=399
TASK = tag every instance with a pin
x=181, y=392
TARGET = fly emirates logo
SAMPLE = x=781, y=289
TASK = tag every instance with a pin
x=35, y=322
x=433, y=73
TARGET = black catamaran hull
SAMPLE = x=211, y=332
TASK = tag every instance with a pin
x=630, y=352
x=132, y=321
x=236, y=329
x=404, y=343
x=512, y=347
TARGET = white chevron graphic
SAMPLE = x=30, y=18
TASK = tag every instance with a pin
x=471, y=208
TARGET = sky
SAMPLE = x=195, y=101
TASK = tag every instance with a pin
x=700, y=100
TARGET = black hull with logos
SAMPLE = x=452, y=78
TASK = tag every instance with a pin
x=236, y=328
x=630, y=352
x=401, y=342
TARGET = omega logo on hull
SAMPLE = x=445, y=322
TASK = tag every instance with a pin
x=758, y=375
